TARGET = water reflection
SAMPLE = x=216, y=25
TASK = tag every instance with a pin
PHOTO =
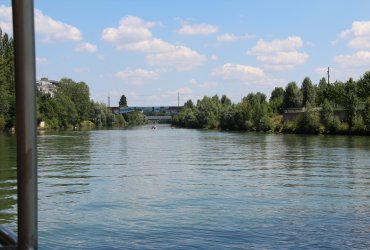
x=64, y=173
x=184, y=189
x=8, y=180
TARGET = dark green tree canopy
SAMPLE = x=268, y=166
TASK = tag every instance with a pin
x=292, y=96
x=123, y=101
x=308, y=92
x=363, y=86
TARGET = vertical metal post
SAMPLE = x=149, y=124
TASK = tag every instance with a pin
x=25, y=78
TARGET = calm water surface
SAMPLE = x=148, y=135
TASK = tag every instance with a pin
x=189, y=189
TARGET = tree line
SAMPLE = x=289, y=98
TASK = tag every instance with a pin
x=69, y=107
x=328, y=108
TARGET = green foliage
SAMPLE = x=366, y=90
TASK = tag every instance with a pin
x=308, y=92
x=123, y=101
x=366, y=114
x=292, y=96
x=309, y=121
x=320, y=91
x=2, y=123
x=350, y=102
x=119, y=121
x=135, y=118
x=276, y=100
x=208, y=112
x=327, y=115
x=101, y=116
x=79, y=94
x=363, y=86
x=7, y=83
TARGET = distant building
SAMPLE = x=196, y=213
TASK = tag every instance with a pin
x=47, y=86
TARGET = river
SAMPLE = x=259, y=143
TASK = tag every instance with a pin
x=191, y=189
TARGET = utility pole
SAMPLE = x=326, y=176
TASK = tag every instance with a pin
x=108, y=101
x=178, y=99
x=328, y=75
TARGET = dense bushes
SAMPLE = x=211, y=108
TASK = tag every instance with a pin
x=317, y=108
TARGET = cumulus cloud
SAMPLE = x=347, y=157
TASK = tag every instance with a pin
x=53, y=30
x=358, y=35
x=197, y=29
x=227, y=37
x=86, y=47
x=279, y=55
x=41, y=60
x=137, y=76
x=50, y=29
x=180, y=57
x=6, y=18
x=130, y=29
x=134, y=34
x=238, y=72
x=360, y=59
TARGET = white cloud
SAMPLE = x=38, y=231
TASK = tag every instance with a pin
x=130, y=29
x=360, y=59
x=50, y=29
x=86, y=47
x=133, y=34
x=214, y=57
x=54, y=30
x=180, y=57
x=239, y=72
x=279, y=55
x=359, y=35
x=227, y=37
x=137, y=76
x=197, y=29
x=41, y=60
x=6, y=19
x=153, y=45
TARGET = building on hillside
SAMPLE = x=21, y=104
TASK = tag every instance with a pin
x=47, y=86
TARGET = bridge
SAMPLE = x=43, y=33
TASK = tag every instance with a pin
x=156, y=114
x=152, y=111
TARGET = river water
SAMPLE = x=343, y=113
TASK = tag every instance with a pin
x=191, y=189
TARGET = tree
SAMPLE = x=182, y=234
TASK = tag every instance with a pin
x=308, y=92
x=363, y=86
x=367, y=114
x=123, y=101
x=320, y=92
x=350, y=102
x=292, y=96
x=79, y=94
x=309, y=121
x=276, y=100
x=225, y=101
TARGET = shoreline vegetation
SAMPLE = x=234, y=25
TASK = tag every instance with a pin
x=69, y=107
x=325, y=108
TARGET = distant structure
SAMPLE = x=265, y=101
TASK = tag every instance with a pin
x=47, y=86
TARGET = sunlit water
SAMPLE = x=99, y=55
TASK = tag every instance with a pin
x=189, y=189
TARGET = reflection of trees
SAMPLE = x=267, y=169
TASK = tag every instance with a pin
x=8, y=176
x=63, y=161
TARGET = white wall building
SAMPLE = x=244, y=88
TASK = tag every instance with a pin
x=47, y=86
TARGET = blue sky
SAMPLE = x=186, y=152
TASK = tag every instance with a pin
x=152, y=50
